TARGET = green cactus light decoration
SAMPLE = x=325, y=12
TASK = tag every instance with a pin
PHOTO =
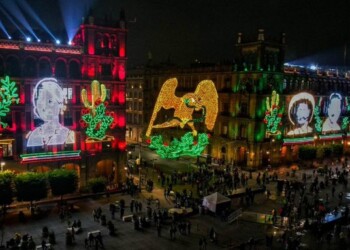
x=273, y=114
x=8, y=96
x=317, y=114
x=95, y=118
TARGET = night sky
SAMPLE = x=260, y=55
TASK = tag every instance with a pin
x=184, y=30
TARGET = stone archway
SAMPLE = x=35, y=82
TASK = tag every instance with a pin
x=72, y=166
x=42, y=169
x=107, y=168
x=75, y=167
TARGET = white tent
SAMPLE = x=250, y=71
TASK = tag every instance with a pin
x=215, y=202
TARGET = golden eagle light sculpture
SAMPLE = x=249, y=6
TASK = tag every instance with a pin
x=204, y=98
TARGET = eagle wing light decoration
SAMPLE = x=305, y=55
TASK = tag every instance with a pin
x=204, y=98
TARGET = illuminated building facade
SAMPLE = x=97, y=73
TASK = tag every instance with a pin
x=256, y=95
x=134, y=106
x=75, y=92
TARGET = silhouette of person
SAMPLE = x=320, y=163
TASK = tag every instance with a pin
x=300, y=113
x=333, y=108
x=48, y=102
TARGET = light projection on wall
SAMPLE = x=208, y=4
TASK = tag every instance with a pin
x=204, y=100
x=48, y=102
x=273, y=114
x=95, y=117
x=8, y=96
x=331, y=109
x=300, y=113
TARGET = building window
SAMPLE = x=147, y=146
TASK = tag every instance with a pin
x=244, y=109
x=108, y=94
x=68, y=120
x=68, y=93
x=226, y=107
x=243, y=132
x=224, y=130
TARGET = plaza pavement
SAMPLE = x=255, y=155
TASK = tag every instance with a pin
x=229, y=236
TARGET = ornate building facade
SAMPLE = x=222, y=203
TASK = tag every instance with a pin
x=246, y=133
x=63, y=76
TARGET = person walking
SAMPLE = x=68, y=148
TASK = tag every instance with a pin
x=200, y=243
x=99, y=239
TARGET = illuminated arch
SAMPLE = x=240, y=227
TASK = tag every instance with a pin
x=42, y=169
x=73, y=166
x=106, y=168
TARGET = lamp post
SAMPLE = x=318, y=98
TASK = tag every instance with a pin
x=2, y=166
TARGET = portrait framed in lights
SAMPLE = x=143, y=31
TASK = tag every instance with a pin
x=203, y=100
x=48, y=101
x=331, y=114
x=300, y=114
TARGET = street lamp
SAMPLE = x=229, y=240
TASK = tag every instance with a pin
x=2, y=166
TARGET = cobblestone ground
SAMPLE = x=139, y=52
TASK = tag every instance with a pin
x=229, y=236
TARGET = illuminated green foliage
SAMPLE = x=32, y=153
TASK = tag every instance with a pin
x=8, y=96
x=318, y=120
x=185, y=146
x=273, y=114
x=97, y=124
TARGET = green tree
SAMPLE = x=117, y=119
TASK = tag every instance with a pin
x=6, y=188
x=63, y=181
x=31, y=186
x=97, y=185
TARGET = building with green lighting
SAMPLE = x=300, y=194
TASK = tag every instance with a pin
x=253, y=130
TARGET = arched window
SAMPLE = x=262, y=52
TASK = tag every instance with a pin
x=106, y=45
x=30, y=69
x=115, y=45
x=74, y=70
x=106, y=70
x=45, y=68
x=13, y=67
x=98, y=44
x=60, y=69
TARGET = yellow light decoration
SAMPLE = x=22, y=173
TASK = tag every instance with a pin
x=204, y=98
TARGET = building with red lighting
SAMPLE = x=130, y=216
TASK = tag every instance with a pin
x=98, y=52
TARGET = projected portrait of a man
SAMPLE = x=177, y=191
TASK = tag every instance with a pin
x=332, y=108
x=48, y=102
x=300, y=113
